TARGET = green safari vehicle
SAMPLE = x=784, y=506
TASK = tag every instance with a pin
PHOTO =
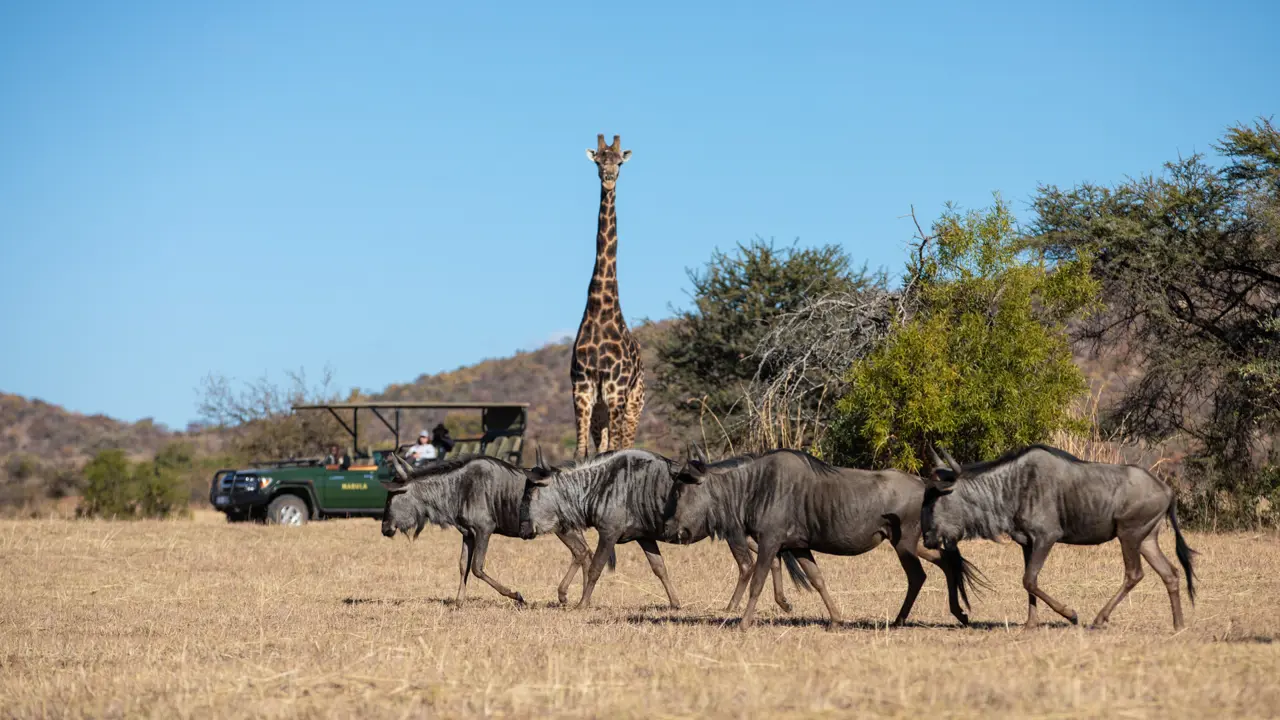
x=296, y=490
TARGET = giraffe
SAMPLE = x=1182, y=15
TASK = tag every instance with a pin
x=606, y=373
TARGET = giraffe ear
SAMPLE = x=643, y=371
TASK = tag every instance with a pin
x=626, y=155
x=591, y=155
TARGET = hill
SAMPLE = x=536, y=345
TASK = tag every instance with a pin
x=541, y=378
x=39, y=428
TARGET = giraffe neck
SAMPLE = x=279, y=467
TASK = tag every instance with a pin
x=604, y=279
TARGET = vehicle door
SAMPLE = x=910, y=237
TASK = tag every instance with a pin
x=355, y=488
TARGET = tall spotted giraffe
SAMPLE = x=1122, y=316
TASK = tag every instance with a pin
x=606, y=372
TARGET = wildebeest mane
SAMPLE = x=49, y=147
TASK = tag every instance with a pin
x=439, y=468
x=749, y=459
x=1015, y=455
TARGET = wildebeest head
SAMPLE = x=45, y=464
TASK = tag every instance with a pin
x=940, y=517
x=608, y=159
x=690, y=501
x=401, y=513
x=537, y=513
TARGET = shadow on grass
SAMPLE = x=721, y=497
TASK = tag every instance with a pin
x=470, y=604
x=792, y=622
x=1247, y=639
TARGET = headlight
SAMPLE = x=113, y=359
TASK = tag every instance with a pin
x=263, y=482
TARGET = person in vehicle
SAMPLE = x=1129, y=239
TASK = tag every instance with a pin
x=440, y=438
x=338, y=456
x=423, y=451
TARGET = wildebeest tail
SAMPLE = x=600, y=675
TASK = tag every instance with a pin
x=613, y=558
x=970, y=577
x=795, y=571
x=1183, y=550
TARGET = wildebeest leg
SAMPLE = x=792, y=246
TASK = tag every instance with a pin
x=577, y=545
x=604, y=546
x=955, y=579
x=659, y=568
x=464, y=568
x=477, y=567
x=1150, y=549
x=1034, y=554
x=768, y=550
x=745, y=559
x=746, y=562
x=810, y=567
x=915, y=578
x=1132, y=576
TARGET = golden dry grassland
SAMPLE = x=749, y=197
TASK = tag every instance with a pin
x=200, y=618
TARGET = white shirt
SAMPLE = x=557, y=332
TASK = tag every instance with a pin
x=421, y=452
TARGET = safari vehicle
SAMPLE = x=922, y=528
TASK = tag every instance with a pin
x=295, y=490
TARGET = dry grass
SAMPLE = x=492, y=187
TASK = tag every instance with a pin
x=201, y=618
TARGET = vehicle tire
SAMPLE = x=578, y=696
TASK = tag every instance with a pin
x=287, y=510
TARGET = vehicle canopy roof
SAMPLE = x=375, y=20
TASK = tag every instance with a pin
x=507, y=418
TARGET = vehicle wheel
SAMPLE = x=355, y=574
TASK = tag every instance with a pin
x=287, y=510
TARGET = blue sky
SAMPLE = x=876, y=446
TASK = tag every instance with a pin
x=248, y=187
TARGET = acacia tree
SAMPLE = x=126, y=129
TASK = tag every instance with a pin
x=260, y=417
x=706, y=359
x=980, y=360
x=1189, y=266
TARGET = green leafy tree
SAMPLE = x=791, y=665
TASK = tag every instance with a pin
x=109, y=490
x=981, y=364
x=706, y=358
x=159, y=489
x=1189, y=267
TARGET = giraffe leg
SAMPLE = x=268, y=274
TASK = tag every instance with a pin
x=600, y=428
x=617, y=421
x=583, y=404
x=631, y=416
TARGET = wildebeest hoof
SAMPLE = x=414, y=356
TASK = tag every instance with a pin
x=1074, y=618
x=786, y=606
x=519, y=599
x=963, y=619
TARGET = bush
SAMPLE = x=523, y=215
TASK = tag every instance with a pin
x=707, y=362
x=981, y=365
x=115, y=488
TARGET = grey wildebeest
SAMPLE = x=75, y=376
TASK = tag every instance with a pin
x=623, y=494
x=1041, y=495
x=790, y=501
x=479, y=496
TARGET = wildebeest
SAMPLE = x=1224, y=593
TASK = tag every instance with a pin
x=791, y=501
x=623, y=495
x=1041, y=495
x=479, y=496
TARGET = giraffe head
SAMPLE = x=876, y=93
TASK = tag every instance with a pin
x=608, y=159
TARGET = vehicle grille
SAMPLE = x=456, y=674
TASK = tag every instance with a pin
x=237, y=483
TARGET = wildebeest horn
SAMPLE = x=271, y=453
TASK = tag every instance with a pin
x=537, y=459
x=951, y=461
x=401, y=467
x=600, y=142
x=933, y=455
x=702, y=455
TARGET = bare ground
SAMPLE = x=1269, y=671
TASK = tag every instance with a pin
x=205, y=619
